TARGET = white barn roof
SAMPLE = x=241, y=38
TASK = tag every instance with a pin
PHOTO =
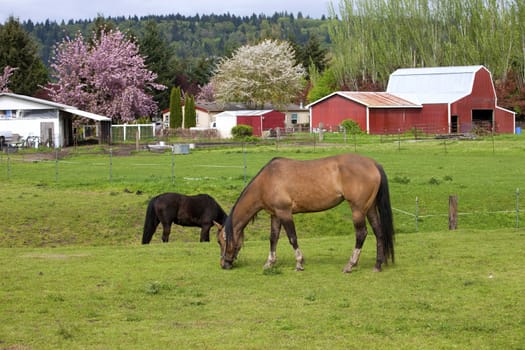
x=433, y=85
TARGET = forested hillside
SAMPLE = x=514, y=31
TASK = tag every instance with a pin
x=196, y=36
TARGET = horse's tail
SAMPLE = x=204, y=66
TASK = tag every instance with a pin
x=385, y=215
x=150, y=223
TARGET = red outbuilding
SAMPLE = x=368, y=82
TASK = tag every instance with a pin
x=438, y=100
x=259, y=120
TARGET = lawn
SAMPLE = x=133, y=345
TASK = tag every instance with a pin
x=447, y=290
x=74, y=275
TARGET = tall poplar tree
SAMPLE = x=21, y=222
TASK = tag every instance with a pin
x=190, y=116
x=175, y=108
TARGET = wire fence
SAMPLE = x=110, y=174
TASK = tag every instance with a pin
x=511, y=215
x=418, y=218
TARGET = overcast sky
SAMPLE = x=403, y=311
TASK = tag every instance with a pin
x=58, y=10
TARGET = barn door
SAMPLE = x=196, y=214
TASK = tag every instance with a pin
x=454, y=124
x=482, y=119
x=47, y=130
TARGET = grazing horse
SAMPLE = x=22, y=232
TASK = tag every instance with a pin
x=200, y=210
x=284, y=187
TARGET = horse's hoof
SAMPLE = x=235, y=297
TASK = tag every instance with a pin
x=347, y=268
x=377, y=269
x=299, y=268
x=268, y=265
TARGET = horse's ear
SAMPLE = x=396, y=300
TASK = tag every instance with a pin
x=219, y=226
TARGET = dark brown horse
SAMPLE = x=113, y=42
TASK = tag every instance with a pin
x=200, y=210
x=284, y=187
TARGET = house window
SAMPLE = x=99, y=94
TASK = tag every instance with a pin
x=294, y=118
x=7, y=114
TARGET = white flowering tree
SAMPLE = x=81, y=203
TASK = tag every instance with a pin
x=263, y=73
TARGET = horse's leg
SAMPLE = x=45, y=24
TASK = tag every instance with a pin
x=373, y=218
x=166, y=230
x=289, y=227
x=360, y=235
x=275, y=231
x=205, y=233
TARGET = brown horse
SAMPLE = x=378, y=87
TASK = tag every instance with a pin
x=284, y=187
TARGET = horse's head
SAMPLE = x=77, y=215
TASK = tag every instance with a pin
x=229, y=248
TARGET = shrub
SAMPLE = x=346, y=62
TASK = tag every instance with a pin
x=351, y=126
x=242, y=131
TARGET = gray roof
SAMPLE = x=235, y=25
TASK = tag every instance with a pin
x=234, y=106
x=433, y=85
x=244, y=113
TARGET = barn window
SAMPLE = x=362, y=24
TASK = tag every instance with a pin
x=294, y=118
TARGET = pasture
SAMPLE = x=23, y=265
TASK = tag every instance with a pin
x=75, y=276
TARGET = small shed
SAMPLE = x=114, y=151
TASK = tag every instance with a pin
x=295, y=115
x=51, y=122
x=438, y=100
x=259, y=120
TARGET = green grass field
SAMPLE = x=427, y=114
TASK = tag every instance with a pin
x=74, y=275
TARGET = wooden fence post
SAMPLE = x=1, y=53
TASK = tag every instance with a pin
x=452, y=212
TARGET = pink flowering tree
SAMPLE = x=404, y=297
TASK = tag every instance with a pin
x=4, y=78
x=206, y=93
x=107, y=77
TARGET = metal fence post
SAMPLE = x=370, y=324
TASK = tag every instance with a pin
x=173, y=165
x=56, y=164
x=417, y=212
x=110, y=164
x=517, y=208
x=452, y=212
x=244, y=159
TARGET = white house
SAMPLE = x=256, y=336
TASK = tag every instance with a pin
x=51, y=122
x=206, y=112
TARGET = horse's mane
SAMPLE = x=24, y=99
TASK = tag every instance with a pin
x=228, y=225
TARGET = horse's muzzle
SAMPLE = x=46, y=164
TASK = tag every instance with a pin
x=227, y=265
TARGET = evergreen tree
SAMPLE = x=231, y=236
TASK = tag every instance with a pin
x=311, y=53
x=157, y=53
x=17, y=50
x=190, y=115
x=175, y=108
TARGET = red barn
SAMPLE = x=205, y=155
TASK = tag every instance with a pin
x=434, y=100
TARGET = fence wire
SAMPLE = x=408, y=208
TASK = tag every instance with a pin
x=59, y=170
